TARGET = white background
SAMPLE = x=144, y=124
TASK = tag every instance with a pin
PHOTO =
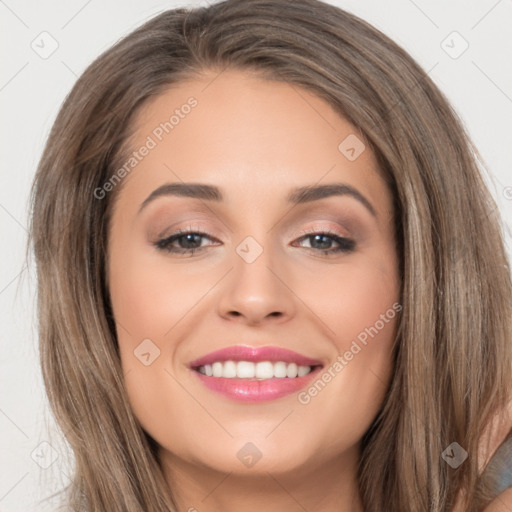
x=478, y=83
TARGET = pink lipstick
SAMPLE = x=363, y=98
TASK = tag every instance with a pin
x=255, y=374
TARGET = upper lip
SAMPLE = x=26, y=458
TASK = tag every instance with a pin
x=255, y=354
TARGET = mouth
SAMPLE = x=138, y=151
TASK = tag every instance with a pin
x=253, y=374
x=263, y=370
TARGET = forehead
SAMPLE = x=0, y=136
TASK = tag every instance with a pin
x=248, y=135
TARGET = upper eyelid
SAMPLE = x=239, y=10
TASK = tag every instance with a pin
x=348, y=220
x=202, y=231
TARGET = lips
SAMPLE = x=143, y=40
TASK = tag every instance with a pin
x=255, y=355
x=234, y=372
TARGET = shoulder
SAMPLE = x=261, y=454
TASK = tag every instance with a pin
x=498, y=462
x=502, y=503
x=497, y=433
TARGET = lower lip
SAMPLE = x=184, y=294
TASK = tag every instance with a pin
x=246, y=390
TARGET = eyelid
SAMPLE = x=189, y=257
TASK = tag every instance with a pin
x=315, y=227
x=173, y=230
x=318, y=228
x=345, y=244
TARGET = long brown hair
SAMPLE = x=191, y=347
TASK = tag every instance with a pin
x=453, y=357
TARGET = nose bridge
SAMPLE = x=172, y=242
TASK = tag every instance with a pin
x=253, y=263
x=253, y=290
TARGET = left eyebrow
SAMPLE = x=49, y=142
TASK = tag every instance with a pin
x=313, y=193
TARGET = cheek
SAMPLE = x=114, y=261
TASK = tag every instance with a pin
x=149, y=299
x=360, y=315
x=351, y=298
x=150, y=295
x=153, y=301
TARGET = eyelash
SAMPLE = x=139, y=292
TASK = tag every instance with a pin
x=345, y=245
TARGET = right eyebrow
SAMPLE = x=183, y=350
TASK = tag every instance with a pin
x=194, y=190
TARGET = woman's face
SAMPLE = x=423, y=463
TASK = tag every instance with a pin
x=310, y=278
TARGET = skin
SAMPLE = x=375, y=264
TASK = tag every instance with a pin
x=255, y=139
x=503, y=503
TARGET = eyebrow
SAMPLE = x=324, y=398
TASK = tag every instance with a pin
x=298, y=195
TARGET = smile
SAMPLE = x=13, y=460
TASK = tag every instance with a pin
x=251, y=374
x=247, y=370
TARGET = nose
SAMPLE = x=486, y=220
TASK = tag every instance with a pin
x=257, y=291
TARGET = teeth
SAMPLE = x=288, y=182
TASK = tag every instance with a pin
x=264, y=370
x=303, y=370
x=244, y=370
x=291, y=370
x=217, y=369
x=248, y=370
x=229, y=369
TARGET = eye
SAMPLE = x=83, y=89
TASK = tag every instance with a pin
x=187, y=241
x=184, y=241
x=323, y=242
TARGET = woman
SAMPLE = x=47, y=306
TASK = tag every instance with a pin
x=270, y=274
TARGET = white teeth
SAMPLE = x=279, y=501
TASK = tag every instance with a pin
x=291, y=370
x=249, y=370
x=280, y=370
x=264, y=370
x=303, y=370
x=229, y=370
x=244, y=370
x=217, y=369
